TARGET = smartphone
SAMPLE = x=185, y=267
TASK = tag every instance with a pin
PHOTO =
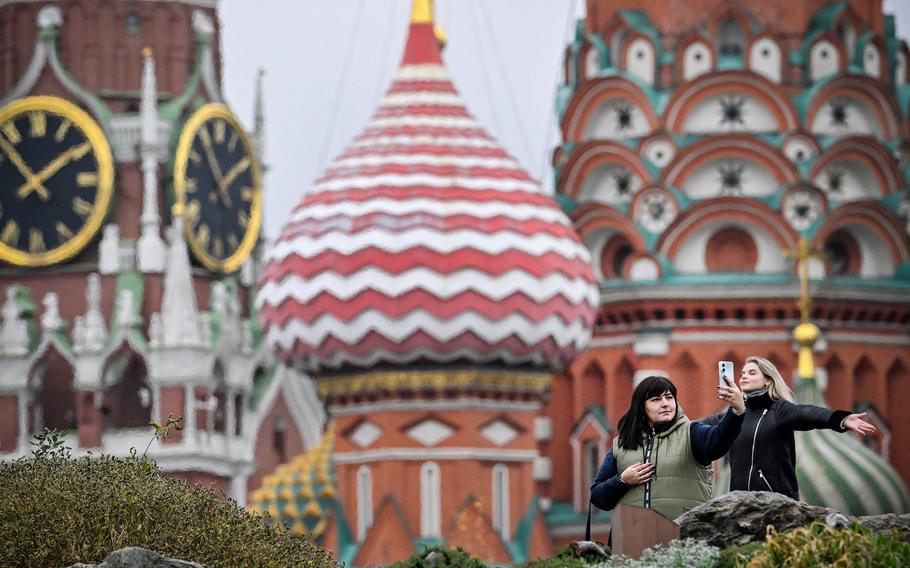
x=725, y=371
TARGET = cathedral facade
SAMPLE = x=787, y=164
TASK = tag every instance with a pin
x=435, y=351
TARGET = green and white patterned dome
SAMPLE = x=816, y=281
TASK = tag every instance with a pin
x=837, y=471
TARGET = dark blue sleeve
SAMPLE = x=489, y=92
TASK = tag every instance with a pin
x=607, y=490
x=712, y=442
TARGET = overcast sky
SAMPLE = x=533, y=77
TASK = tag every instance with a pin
x=328, y=63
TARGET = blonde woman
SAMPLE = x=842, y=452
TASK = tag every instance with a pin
x=763, y=457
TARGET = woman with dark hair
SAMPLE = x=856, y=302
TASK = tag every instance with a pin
x=660, y=459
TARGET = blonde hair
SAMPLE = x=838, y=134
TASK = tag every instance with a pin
x=778, y=388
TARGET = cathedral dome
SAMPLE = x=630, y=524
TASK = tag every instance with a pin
x=426, y=243
x=835, y=470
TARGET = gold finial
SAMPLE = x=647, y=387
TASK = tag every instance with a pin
x=146, y=52
x=422, y=12
x=806, y=333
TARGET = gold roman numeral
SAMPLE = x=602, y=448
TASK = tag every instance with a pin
x=36, y=241
x=62, y=130
x=246, y=193
x=63, y=231
x=87, y=179
x=243, y=219
x=218, y=247
x=10, y=233
x=9, y=130
x=191, y=214
x=220, y=131
x=232, y=143
x=195, y=157
x=202, y=235
x=82, y=207
x=37, y=122
x=190, y=185
x=232, y=241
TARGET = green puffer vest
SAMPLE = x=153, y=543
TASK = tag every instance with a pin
x=679, y=483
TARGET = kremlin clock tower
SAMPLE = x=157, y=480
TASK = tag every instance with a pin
x=130, y=216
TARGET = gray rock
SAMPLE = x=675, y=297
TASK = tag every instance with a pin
x=740, y=517
x=133, y=557
x=884, y=524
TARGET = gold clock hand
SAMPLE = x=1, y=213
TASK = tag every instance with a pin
x=23, y=168
x=235, y=171
x=52, y=168
x=207, y=146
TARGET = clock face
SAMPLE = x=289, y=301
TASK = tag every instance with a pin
x=56, y=180
x=217, y=183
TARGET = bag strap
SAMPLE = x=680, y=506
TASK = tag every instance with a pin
x=588, y=524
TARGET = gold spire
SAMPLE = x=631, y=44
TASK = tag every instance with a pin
x=806, y=333
x=422, y=12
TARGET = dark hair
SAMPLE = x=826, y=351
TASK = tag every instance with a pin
x=634, y=422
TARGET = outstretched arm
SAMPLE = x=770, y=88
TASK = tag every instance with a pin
x=712, y=442
x=810, y=417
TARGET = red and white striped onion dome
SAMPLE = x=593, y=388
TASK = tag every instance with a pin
x=426, y=243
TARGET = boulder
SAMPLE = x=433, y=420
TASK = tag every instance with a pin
x=884, y=524
x=740, y=517
x=133, y=557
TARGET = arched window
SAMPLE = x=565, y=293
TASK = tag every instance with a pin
x=872, y=64
x=843, y=254
x=732, y=38
x=590, y=462
x=430, y=508
x=278, y=438
x=364, y=501
x=128, y=401
x=501, y=500
x=592, y=62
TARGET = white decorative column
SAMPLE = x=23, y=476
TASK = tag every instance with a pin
x=189, y=429
x=23, y=421
x=150, y=246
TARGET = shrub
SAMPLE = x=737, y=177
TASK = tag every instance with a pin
x=440, y=557
x=735, y=556
x=569, y=556
x=821, y=545
x=57, y=511
x=686, y=553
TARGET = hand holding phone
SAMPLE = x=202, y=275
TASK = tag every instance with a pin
x=725, y=373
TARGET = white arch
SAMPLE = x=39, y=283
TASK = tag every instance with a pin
x=430, y=506
x=765, y=59
x=691, y=256
x=640, y=60
x=696, y=60
x=824, y=60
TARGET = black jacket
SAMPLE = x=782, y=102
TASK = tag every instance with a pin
x=763, y=457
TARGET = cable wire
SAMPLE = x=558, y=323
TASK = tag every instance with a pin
x=342, y=82
x=551, y=124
